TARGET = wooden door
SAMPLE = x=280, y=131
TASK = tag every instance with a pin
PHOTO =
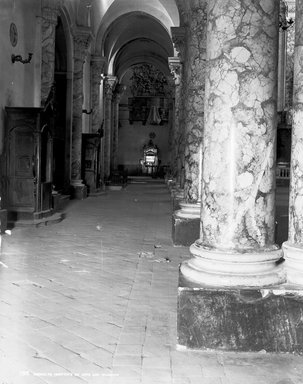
x=22, y=178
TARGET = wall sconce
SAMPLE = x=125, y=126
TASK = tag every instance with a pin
x=19, y=58
x=86, y=111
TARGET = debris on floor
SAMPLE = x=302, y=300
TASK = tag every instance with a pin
x=151, y=255
x=147, y=255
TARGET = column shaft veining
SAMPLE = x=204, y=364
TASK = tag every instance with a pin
x=120, y=89
x=236, y=245
x=82, y=40
x=97, y=69
x=176, y=66
x=50, y=12
x=194, y=78
x=293, y=248
x=109, y=86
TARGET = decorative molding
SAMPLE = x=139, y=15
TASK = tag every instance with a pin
x=178, y=37
x=109, y=86
x=175, y=67
x=98, y=64
x=82, y=37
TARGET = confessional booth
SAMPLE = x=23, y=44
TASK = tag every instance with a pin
x=27, y=164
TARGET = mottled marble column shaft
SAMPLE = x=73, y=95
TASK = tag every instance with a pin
x=81, y=43
x=240, y=125
x=50, y=11
x=290, y=46
x=236, y=245
x=194, y=78
x=175, y=66
x=97, y=68
x=293, y=248
x=120, y=89
x=296, y=183
x=109, y=86
x=178, y=36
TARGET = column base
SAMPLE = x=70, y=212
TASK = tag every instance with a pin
x=244, y=320
x=186, y=224
x=230, y=269
x=293, y=263
x=177, y=197
x=79, y=190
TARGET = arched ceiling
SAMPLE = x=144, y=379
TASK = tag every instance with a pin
x=136, y=37
x=135, y=31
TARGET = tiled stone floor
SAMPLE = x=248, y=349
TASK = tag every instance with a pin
x=93, y=300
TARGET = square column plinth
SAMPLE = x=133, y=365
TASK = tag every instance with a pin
x=3, y=220
x=239, y=319
x=185, y=231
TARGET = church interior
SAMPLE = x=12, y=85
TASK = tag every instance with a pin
x=151, y=195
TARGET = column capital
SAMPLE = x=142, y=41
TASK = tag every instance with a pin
x=109, y=86
x=82, y=37
x=178, y=37
x=175, y=67
x=50, y=10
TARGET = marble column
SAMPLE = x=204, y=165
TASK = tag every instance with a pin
x=97, y=69
x=282, y=58
x=82, y=39
x=176, y=67
x=50, y=12
x=194, y=92
x=119, y=90
x=290, y=46
x=236, y=245
x=109, y=87
x=293, y=248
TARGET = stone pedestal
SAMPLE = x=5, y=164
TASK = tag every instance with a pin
x=248, y=320
x=186, y=224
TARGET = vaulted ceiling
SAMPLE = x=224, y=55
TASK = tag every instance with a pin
x=130, y=32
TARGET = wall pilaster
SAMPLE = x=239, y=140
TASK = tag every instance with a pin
x=50, y=12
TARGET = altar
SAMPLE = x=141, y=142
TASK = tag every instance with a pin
x=150, y=161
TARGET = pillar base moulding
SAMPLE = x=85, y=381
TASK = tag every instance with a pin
x=293, y=263
x=79, y=190
x=189, y=210
x=186, y=224
x=219, y=268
